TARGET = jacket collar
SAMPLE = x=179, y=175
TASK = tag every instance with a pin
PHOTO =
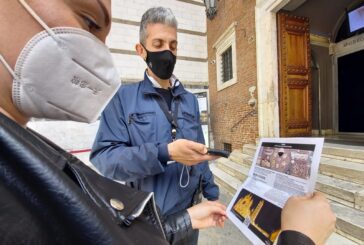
x=148, y=88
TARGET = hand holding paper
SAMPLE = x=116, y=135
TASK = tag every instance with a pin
x=207, y=214
x=282, y=167
x=310, y=215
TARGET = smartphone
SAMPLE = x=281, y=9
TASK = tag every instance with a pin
x=217, y=152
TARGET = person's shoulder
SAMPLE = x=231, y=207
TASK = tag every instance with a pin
x=189, y=95
x=129, y=87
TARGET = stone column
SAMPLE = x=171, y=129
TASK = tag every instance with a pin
x=267, y=66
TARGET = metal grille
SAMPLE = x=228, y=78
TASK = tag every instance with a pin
x=227, y=65
x=227, y=147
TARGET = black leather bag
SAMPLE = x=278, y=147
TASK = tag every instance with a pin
x=48, y=196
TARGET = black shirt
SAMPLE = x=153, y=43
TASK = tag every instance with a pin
x=166, y=94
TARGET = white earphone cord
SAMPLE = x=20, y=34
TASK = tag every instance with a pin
x=181, y=176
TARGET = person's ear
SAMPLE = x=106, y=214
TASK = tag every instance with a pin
x=141, y=51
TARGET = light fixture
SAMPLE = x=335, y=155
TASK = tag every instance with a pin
x=211, y=8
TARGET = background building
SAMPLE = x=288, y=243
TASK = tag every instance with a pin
x=305, y=61
x=232, y=74
x=191, y=66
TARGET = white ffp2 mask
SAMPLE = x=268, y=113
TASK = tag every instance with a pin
x=63, y=74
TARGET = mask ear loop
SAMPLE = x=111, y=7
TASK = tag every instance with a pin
x=181, y=176
x=7, y=66
x=38, y=19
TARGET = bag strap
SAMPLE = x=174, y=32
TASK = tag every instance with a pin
x=171, y=117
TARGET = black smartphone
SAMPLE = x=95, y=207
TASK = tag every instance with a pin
x=217, y=152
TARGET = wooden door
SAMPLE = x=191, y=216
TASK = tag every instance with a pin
x=294, y=61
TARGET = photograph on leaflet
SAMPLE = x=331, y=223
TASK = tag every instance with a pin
x=258, y=215
x=291, y=159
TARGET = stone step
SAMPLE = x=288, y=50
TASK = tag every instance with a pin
x=249, y=149
x=349, y=221
x=336, y=239
x=239, y=157
x=233, y=169
x=344, y=192
x=344, y=152
x=351, y=171
x=229, y=183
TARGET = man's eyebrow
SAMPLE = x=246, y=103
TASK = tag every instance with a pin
x=106, y=13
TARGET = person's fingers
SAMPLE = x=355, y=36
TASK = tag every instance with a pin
x=309, y=195
x=221, y=222
x=218, y=204
x=207, y=157
x=198, y=147
x=300, y=198
x=319, y=196
x=217, y=210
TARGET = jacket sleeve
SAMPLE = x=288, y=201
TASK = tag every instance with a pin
x=178, y=227
x=209, y=188
x=293, y=237
x=112, y=154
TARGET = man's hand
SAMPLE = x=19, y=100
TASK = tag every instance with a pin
x=188, y=152
x=310, y=215
x=207, y=214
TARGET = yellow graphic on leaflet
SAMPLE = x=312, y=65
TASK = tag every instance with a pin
x=244, y=208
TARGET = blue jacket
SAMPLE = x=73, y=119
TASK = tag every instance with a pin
x=131, y=145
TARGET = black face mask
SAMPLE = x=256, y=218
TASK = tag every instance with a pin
x=161, y=63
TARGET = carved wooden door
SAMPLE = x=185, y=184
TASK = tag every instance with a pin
x=295, y=90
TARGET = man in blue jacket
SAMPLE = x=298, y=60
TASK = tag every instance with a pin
x=150, y=134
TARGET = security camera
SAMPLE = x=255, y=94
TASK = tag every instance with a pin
x=252, y=102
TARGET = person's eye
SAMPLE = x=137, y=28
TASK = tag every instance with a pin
x=91, y=24
x=173, y=46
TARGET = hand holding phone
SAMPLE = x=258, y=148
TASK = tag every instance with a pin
x=217, y=152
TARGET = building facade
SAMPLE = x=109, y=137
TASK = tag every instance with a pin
x=191, y=66
x=232, y=46
x=280, y=68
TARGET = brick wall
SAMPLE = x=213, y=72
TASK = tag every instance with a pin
x=230, y=105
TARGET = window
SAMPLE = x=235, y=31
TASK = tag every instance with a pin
x=227, y=65
x=226, y=58
x=227, y=147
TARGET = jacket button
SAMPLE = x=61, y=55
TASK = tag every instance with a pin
x=116, y=204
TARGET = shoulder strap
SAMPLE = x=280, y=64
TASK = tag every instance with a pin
x=171, y=117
